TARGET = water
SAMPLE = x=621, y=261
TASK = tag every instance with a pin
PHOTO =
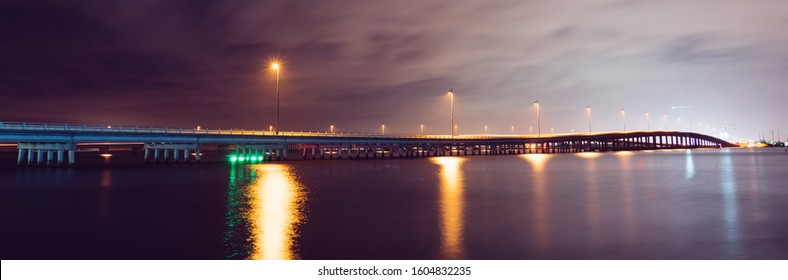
x=703, y=204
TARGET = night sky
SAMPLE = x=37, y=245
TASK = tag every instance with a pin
x=359, y=64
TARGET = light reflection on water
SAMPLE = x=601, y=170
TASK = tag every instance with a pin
x=451, y=205
x=264, y=209
x=583, y=206
x=627, y=194
x=690, y=165
x=541, y=200
x=730, y=206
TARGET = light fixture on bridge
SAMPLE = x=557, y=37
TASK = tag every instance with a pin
x=275, y=66
x=451, y=97
x=588, y=109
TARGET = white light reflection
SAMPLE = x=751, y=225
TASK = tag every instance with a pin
x=690, y=165
x=730, y=206
x=451, y=196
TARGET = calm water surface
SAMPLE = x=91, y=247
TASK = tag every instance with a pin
x=703, y=204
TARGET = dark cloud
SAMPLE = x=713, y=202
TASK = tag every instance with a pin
x=357, y=64
x=694, y=49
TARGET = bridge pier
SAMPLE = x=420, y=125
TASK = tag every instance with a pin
x=162, y=151
x=32, y=154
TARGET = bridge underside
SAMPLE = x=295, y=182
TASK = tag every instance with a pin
x=257, y=149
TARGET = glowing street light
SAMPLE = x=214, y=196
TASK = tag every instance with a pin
x=421, y=127
x=485, y=129
x=275, y=66
x=451, y=95
x=270, y=128
x=383, y=129
x=332, y=128
x=588, y=109
x=530, y=130
x=624, y=118
x=512, y=129
x=538, y=125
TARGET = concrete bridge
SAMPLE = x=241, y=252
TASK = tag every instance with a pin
x=48, y=144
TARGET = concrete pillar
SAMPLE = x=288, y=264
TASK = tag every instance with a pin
x=147, y=152
x=278, y=154
x=156, y=155
x=166, y=155
x=185, y=155
x=21, y=156
x=71, y=158
x=197, y=153
x=50, y=154
x=39, y=156
x=284, y=153
x=175, y=155
x=59, y=157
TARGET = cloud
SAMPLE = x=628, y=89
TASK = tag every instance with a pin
x=359, y=63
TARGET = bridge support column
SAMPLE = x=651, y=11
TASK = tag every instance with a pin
x=21, y=156
x=175, y=155
x=59, y=157
x=50, y=154
x=39, y=157
x=71, y=158
x=186, y=155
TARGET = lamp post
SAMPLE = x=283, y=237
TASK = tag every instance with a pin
x=512, y=130
x=421, y=127
x=451, y=96
x=588, y=109
x=332, y=129
x=382, y=129
x=538, y=124
x=679, y=118
x=624, y=118
x=275, y=66
x=666, y=121
x=648, y=122
x=485, y=129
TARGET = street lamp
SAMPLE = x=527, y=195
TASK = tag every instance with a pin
x=275, y=66
x=679, y=118
x=666, y=121
x=332, y=129
x=421, y=126
x=485, y=129
x=538, y=125
x=588, y=109
x=451, y=96
x=512, y=129
x=624, y=118
x=382, y=129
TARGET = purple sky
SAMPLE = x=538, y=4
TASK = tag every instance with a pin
x=358, y=64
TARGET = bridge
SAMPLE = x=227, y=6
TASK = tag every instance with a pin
x=41, y=144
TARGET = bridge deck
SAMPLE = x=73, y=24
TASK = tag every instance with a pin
x=40, y=139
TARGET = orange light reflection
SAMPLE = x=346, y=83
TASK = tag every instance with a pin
x=451, y=196
x=276, y=211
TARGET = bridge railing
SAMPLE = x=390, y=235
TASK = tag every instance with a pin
x=57, y=127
